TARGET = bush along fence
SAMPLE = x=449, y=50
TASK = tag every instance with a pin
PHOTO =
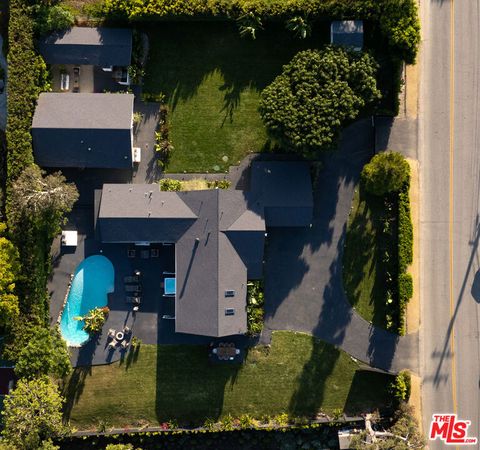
x=234, y=433
x=398, y=19
x=405, y=254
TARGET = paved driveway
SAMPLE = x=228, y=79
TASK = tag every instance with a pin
x=304, y=289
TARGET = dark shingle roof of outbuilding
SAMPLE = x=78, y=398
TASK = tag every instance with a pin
x=348, y=33
x=88, y=46
x=83, y=130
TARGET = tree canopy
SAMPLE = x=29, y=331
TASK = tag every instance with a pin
x=385, y=173
x=41, y=351
x=32, y=413
x=9, y=272
x=41, y=197
x=316, y=94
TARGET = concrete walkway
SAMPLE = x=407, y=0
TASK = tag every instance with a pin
x=304, y=288
x=3, y=96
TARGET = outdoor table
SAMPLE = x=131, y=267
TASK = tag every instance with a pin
x=225, y=352
x=119, y=336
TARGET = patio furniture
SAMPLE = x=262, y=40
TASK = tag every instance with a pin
x=135, y=308
x=237, y=351
x=119, y=336
x=145, y=254
x=126, y=330
x=64, y=82
x=154, y=253
x=168, y=317
x=112, y=344
x=136, y=155
x=69, y=238
x=137, y=273
x=111, y=332
x=134, y=300
x=124, y=344
x=131, y=253
x=131, y=279
x=215, y=351
x=170, y=287
x=133, y=288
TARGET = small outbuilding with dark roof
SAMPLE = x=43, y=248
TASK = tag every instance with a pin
x=83, y=130
x=348, y=33
x=102, y=47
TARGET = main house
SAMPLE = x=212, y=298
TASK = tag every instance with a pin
x=219, y=237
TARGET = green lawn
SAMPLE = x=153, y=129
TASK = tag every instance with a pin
x=212, y=79
x=363, y=268
x=298, y=374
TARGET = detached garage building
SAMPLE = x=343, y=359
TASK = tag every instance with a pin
x=83, y=130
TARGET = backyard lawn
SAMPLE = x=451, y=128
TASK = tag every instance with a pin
x=298, y=374
x=212, y=80
x=363, y=268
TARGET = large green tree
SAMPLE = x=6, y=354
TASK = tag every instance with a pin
x=9, y=271
x=41, y=351
x=32, y=413
x=316, y=94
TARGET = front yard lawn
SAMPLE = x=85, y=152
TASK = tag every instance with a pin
x=364, y=272
x=212, y=80
x=298, y=374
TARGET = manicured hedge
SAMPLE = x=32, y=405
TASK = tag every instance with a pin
x=398, y=19
x=405, y=255
x=27, y=77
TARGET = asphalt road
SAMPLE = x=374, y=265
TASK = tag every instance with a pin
x=449, y=156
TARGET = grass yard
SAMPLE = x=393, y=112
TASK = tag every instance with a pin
x=298, y=374
x=212, y=80
x=364, y=272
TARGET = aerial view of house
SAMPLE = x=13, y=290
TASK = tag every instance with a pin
x=207, y=240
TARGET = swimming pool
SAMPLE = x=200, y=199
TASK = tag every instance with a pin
x=93, y=280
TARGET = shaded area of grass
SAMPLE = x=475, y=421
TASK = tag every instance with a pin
x=297, y=374
x=212, y=79
x=365, y=270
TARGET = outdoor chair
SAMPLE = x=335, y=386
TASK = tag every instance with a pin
x=237, y=351
x=135, y=308
x=124, y=344
x=126, y=330
x=111, y=332
x=133, y=288
x=131, y=279
x=131, y=253
x=112, y=344
x=215, y=351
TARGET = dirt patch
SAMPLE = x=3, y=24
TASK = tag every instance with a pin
x=413, y=308
x=415, y=399
x=411, y=90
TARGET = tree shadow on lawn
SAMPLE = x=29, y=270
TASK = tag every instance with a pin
x=190, y=388
x=362, y=258
x=369, y=392
x=182, y=54
x=73, y=389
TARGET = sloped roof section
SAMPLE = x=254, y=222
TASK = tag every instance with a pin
x=103, y=47
x=83, y=130
x=285, y=191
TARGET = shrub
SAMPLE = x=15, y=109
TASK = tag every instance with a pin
x=387, y=172
x=95, y=319
x=255, y=307
x=298, y=108
x=405, y=231
x=405, y=292
x=219, y=184
x=52, y=18
x=169, y=184
x=401, y=386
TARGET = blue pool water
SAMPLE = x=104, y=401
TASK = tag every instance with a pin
x=93, y=280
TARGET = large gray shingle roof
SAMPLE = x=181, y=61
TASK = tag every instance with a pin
x=83, y=130
x=88, y=46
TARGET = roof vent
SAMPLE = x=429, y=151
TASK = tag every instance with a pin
x=229, y=293
x=229, y=311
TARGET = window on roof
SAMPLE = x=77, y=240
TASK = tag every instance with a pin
x=229, y=293
x=229, y=311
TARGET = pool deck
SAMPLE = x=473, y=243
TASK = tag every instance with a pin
x=146, y=324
